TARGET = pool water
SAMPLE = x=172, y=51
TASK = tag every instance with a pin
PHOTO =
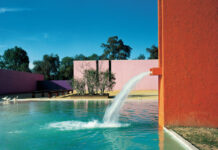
x=77, y=125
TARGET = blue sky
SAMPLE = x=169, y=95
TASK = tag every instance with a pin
x=70, y=27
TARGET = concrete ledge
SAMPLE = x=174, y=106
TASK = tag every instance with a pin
x=64, y=100
x=70, y=99
x=187, y=145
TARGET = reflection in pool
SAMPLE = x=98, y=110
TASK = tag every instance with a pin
x=71, y=125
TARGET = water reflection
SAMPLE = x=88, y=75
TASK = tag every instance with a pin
x=142, y=115
x=116, y=141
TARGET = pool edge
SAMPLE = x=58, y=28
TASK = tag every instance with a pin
x=186, y=144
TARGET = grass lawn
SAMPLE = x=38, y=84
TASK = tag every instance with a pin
x=202, y=138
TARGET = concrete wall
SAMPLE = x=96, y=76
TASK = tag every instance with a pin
x=18, y=82
x=188, y=58
x=124, y=70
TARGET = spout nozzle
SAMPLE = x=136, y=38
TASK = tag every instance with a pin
x=155, y=71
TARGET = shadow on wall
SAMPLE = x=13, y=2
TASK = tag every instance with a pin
x=54, y=85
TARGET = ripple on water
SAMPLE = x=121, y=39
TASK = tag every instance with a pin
x=15, y=132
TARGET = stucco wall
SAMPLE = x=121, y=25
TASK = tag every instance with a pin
x=80, y=66
x=124, y=70
x=18, y=82
x=188, y=56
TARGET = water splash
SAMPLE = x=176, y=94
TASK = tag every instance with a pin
x=113, y=111
x=79, y=125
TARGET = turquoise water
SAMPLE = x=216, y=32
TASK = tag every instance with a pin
x=77, y=125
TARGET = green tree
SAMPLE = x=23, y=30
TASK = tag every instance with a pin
x=49, y=66
x=79, y=85
x=94, y=85
x=115, y=49
x=153, y=52
x=15, y=59
x=66, y=68
x=91, y=81
x=105, y=83
x=83, y=57
x=2, y=64
x=39, y=67
x=93, y=57
x=141, y=57
x=80, y=57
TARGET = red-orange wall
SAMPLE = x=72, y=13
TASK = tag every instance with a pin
x=188, y=43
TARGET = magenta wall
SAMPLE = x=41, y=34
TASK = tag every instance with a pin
x=124, y=70
x=18, y=82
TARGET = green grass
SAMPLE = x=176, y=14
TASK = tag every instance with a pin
x=202, y=138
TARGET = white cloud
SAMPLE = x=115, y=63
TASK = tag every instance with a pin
x=5, y=10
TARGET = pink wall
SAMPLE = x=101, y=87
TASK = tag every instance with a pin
x=103, y=65
x=124, y=70
x=80, y=66
x=18, y=82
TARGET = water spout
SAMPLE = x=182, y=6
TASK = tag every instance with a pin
x=113, y=111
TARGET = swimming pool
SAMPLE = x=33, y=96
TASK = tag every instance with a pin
x=69, y=125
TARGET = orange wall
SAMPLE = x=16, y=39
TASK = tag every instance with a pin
x=188, y=43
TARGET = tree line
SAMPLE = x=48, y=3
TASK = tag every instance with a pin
x=52, y=68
